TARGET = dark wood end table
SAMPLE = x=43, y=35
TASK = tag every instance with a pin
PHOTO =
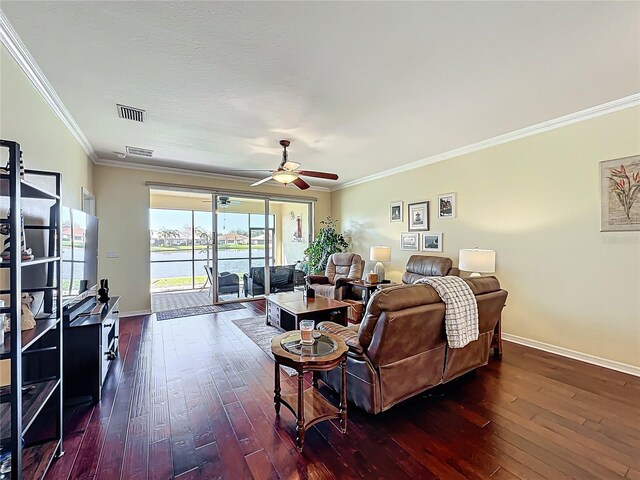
x=309, y=406
x=367, y=288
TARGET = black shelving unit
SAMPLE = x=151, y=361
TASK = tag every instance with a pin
x=38, y=388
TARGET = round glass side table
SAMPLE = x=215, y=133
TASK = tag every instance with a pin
x=309, y=406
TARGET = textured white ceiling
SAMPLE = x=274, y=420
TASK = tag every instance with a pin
x=358, y=87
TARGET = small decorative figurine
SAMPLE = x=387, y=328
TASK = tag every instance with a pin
x=103, y=291
x=27, y=322
x=5, y=230
x=308, y=292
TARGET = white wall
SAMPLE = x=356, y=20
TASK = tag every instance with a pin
x=536, y=201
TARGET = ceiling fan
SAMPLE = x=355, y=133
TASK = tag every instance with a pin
x=224, y=202
x=287, y=172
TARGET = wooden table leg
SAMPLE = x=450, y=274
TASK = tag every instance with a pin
x=300, y=422
x=342, y=312
x=276, y=390
x=266, y=315
x=497, y=340
x=343, y=398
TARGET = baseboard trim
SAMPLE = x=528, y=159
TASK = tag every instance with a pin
x=135, y=313
x=565, y=352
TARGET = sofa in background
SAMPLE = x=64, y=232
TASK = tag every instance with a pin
x=400, y=348
x=342, y=268
x=282, y=278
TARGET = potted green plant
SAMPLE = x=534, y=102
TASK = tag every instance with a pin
x=327, y=242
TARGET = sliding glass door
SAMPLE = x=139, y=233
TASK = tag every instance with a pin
x=215, y=247
x=253, y=233
x=180, y=248
x=243, y=247
x=220, y=245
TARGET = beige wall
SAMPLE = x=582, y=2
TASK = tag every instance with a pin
x=292, y=251
x=46, y=143
x=122, y=200
x=536, y=202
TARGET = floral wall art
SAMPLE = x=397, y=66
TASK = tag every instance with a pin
x=620, y=192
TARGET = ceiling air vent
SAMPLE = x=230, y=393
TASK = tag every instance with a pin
x=139, y=152
x=131, y=113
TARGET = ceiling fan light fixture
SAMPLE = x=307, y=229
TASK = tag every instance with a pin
x=284, y=176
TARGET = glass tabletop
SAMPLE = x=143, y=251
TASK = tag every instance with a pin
x=322, y=345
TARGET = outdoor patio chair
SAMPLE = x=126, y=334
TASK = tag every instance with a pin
x=228, y=283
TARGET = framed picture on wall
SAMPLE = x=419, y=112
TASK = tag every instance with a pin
x=447, y=205
x=395, y=212
x=410, y=242
x=418, y=216
x=620, y=194
x=432, y=242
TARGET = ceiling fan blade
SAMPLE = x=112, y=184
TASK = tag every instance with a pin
x=300, y=183
x=310, y=173
x=258, y=170
x=260, y=182
x=291, y=165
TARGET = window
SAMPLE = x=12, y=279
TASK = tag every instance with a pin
x=181, y=244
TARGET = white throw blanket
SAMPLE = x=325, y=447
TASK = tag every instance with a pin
x=461, y=309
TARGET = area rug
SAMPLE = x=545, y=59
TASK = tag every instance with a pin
x=261, y=334
x=202, y=310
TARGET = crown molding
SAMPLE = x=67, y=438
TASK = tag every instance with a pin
x=17, y=49
x=183, y=171
x=593, y=112
x=565, y=352
x=10, y=39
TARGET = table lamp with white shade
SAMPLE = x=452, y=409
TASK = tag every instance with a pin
x=477, y=261
x=379, y=253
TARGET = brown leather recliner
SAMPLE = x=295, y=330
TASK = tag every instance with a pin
x=419, y=266
x=342, y=268
x=400, y=348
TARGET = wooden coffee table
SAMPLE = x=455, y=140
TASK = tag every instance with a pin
x=309, y=406
x=286, y=310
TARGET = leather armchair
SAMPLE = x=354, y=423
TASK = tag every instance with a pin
x=342, y=268
x=419, y=266
x=400, y=348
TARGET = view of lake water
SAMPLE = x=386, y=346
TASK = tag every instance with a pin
x=183, y=269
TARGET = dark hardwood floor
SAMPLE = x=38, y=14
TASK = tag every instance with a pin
x=192, y=398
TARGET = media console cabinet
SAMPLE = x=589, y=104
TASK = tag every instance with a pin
x=90, y=347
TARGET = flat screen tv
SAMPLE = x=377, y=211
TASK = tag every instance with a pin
x=79, y=254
